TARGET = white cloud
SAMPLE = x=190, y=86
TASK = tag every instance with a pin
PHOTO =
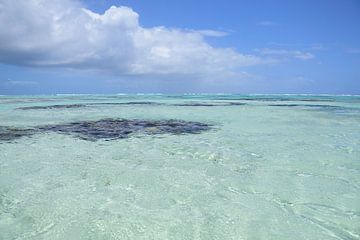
x=285, y=54
x=61, y=33
x=212, y=33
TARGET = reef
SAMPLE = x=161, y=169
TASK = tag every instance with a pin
x=188, y=104
x=127, y=103
x=65, y=106
x=331, y=107
x=200, y=104
x=9, y=134
x=109, y=129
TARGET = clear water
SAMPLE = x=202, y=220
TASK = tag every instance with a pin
x=263, y=172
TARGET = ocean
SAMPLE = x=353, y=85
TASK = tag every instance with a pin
x=194, y=166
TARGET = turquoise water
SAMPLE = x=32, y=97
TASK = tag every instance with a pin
x=276, y=167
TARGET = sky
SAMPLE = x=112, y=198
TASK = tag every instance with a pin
x=179, y=46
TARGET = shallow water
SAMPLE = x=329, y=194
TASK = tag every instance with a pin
x=270, y=167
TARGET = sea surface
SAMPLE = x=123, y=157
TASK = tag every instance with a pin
x=267, y=167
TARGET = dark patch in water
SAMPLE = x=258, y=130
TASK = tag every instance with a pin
x=53, y=107
x=190, y=104
x=195, y=105
x=199, y=104
x=332, y=107
x=236, y=103
x=110, y=129
x=283, y=105
x=67, y=106
x=122, y=128
x=9, y=134
x=276, y=99
x=127, y=103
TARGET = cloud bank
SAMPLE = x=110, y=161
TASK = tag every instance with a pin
x=62, y=33
x=282, y=54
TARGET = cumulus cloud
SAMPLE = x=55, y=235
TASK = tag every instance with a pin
x=62, y=33
x=285, y=54
x=212, y=33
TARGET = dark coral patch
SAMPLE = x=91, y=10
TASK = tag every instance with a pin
x=318, y=106
x=122, y=128
x=65, y=106
x=127, y=103
x=203, y=104
x=9, y=134
x=109, y=129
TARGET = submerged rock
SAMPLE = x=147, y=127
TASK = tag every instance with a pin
x=9, y=134
x=109, y=129
x=122, y=128
x=140, y=103
x=127, y=103
x=329, y=107
x=196, y=105
x=202, y=104
x=188, y=104
x=236, y=103
x=65, y=106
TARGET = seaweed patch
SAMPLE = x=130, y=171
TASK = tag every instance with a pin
x=329, y=107
x=9, y=134
x=203, y=104
x=69, y=106
x=65, y=106
x=109, y=129
x=188, y=104
x=127, y=103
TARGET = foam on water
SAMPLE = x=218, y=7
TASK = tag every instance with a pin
x=271, y=168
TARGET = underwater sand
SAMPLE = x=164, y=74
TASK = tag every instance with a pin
x=269, y=167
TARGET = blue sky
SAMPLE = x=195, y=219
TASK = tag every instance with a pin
x=179, y=46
